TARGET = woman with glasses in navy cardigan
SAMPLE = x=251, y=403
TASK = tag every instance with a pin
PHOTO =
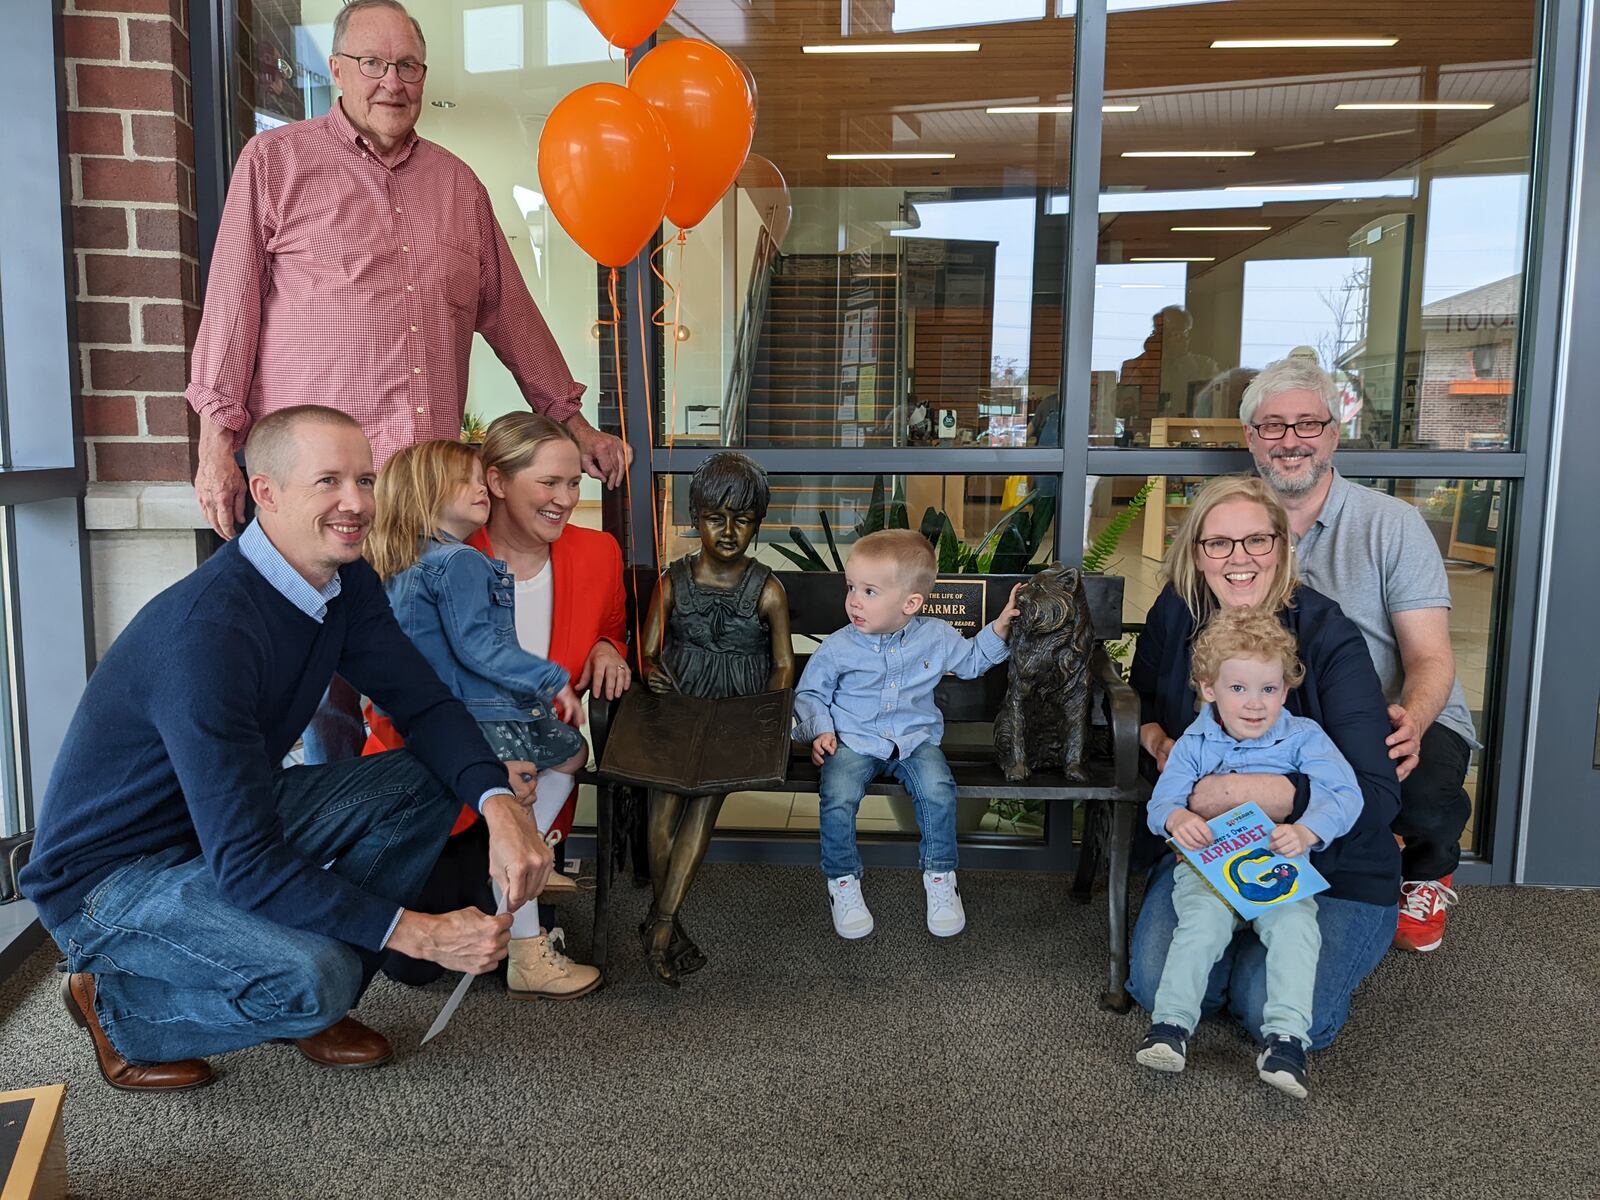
x=1232, y=550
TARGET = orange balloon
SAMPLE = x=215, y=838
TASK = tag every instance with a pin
x=704, y=99
x=627, y=23
x=769, y=192
x=606, y=171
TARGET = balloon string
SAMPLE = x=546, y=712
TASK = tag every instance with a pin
x=622, y=421
x=658, y=520
x=658, y=317
x=677, y=314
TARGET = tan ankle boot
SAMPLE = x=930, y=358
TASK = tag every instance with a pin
x=558, y=884
x=536, y=969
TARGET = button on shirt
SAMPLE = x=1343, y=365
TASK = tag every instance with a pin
x=875, y=691
x=1294, y=745
x=338, y=279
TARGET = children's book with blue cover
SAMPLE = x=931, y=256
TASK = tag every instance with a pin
x=1241, y=868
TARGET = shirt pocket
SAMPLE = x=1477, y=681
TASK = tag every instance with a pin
x=455, y=267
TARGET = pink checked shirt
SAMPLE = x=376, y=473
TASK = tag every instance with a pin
x=339, y=280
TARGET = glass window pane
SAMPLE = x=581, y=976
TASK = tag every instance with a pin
x=1468, y=518
x=1367, y=201
x=914, y=298
x=494, y=73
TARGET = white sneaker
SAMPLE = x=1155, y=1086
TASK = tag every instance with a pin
x=946, y=917
x=851, y=917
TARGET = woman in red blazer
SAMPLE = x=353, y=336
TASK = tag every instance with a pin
x=569, y=608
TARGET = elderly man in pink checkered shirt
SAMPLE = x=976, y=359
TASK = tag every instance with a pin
x=353, y=264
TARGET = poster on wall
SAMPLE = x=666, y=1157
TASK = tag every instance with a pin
x=869, y=334
x=867, y=394
x=851, y=354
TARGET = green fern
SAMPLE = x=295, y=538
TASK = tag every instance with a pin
x=1103, y=547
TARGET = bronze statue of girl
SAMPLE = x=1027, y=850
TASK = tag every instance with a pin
x=719, y=627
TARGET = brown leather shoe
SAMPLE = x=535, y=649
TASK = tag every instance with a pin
x=347, y=1043
x=77, y=993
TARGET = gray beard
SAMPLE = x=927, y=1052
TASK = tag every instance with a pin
x=1298, y=485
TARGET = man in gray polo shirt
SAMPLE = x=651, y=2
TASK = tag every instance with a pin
x=1374, y=555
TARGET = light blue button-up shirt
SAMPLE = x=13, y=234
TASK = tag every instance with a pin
x=1294, y=745
x=874, y=691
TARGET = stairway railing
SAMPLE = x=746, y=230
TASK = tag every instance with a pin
x=747, y=340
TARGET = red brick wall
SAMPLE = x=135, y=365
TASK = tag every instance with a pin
x=136, y=277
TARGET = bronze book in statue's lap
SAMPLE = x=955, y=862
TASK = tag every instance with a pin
x=698, y=747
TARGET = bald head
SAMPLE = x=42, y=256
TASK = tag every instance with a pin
x=273, y=446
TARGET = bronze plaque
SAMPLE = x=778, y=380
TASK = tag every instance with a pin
x=960, y=602
x=699, y=747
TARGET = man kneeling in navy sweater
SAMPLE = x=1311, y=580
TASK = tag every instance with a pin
x=208, y=900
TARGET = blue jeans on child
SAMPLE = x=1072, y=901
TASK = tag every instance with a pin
x=844, y=779
x=181, y=973
x=1355, y=937
x=1205, y=927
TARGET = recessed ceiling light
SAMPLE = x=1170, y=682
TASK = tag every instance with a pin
x=1284, y=187
x=1415, y=106
x=1057, y=108
x=444, y=103
x=895, y=48
x=1221, y=228
x=1301, y=43
x=898, y=156
x=1188, y=154
x=1171, y=258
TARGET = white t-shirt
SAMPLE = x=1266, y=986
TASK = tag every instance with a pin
x=534, y=609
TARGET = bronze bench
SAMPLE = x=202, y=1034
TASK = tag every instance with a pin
x=1111, y=793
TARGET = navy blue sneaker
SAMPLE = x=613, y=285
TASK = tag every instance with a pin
x=1283, y=1064
x=1165, y=1047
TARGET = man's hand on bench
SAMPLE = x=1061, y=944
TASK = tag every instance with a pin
x=465, y=940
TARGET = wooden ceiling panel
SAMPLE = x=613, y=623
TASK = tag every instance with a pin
x=1279, y=103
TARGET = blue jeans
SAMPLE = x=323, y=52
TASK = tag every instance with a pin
x=925, y=774
x=1206, y=925
x=1355, y=937
x=181, y=973
x=337, y=731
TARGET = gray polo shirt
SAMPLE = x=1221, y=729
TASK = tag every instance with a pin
x=1380, y=560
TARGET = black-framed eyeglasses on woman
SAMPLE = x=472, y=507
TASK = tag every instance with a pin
x=409, y=70
x=1274, y=430
x=1256, y=545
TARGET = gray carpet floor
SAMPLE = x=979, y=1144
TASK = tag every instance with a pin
x=800, y=1065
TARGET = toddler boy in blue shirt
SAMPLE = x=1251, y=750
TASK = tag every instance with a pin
x=865, y=703
x=1243, y=663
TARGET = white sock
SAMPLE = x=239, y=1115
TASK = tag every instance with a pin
x=550, y=792
x=525, y=921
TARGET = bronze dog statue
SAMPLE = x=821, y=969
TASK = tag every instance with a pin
x=1045, y=716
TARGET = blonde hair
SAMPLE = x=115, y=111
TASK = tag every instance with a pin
x=413, y=489
x=910, y=553
x=1253, y=632
x=272, y=448
x=1181, y=568
x=511, y=442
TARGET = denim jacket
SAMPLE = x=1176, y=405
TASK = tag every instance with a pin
x=458, y=607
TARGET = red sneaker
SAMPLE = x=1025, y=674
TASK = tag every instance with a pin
x=1423, y=907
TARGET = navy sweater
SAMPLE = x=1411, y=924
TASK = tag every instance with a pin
x=185, y=721
x=1340, y=692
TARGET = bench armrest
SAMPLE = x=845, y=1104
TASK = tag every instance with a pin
x=601, y=711
x=1122, y=709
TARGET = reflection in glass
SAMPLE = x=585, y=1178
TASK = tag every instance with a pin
x=1468, y=518
x=914, y=301
x=1376, y=211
